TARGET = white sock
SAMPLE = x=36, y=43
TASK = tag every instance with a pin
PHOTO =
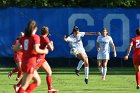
x=101, y=69
x=86, y=72
x=80, y=64
x=104, y=71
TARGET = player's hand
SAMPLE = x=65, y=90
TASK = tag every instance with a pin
x=51, y=42
x=98, y=49
x=65, y=38
x=126, y=58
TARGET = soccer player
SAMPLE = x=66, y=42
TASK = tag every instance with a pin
x=77, y=49
x=30, y=48
x=103, y=47
x=17, y=59
x=135, y=43
x=41, y=62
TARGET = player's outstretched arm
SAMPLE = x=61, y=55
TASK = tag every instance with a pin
x=65, y=38
x=92, y=33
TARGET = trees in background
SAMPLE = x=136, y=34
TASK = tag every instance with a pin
x=71, y=3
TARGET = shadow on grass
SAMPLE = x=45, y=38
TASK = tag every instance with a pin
x=111, y=71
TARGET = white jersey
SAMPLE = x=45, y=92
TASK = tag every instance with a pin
x=104, y=43
x=76, y=43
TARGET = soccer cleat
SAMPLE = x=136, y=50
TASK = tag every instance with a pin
x=10, y=74
x=138, y=86
x=77, y=72
x=103, y=78
x=86, y=81
x=16, y=88
x=53, y=91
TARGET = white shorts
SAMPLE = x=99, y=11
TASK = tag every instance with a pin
x=103, y=56
x=75, y=51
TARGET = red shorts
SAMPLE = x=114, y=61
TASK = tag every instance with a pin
x=28, y=65
x=18, y=57
x=136, y=61
x=39, y=62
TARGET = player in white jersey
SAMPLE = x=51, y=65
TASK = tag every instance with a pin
x=103, y=47
x=77, y=49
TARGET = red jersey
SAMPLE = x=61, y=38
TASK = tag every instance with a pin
x=29, y=54
x=17, y=55
x=136, y=46
x=44, y=41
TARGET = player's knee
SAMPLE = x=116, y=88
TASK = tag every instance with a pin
x=38, y=82
x=49, y=73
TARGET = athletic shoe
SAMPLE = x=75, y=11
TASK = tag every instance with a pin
x=10, y=74
x=138, y=87
x=77, y=72
x=103, y=78
x=16, y=88
x=53, y=91
x=86, y=81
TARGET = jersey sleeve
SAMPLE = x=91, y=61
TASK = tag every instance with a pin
x=98, y=39
x=82, y=34
x=69, y=38
x=111, y=40
x=47, y=40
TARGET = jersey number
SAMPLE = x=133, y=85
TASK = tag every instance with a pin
x=26, y=41
x=137, y=43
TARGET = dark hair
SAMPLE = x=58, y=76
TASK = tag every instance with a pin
x=44, y=30
x=75, y=28
x=138, y=31
x=30, y=27
x=106, y=30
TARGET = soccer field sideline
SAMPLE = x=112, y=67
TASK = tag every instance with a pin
x=119, y=80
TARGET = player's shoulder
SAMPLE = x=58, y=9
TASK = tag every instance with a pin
x=35, y=36
x=109, y=37
x=100, y=36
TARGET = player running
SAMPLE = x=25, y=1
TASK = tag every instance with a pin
x=103, y=48
x=135, y=43
x=77, y=49
x=18, y=60
x=30, y=48
x=41, y=62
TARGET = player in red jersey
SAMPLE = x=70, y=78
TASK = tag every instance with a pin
x=41, y=62
x=135, y=43
x=18, y=60
x=30, y=48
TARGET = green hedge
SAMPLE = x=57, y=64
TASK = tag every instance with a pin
x=71, y=3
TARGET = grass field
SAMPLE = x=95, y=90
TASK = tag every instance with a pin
x=118, y=80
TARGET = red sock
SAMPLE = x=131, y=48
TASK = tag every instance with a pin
x=138, y=78
x=31, y=87
x=15, y=70
x=49, y=82
x=19, y=73
x=19, y=83
x=21, y=90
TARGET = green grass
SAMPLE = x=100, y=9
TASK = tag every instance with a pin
x=118, y=80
